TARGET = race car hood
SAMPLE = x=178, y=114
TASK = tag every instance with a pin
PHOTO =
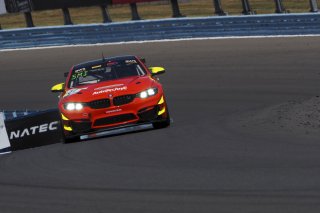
x=132, y=85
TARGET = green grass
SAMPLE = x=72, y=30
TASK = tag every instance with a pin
x=190, y=8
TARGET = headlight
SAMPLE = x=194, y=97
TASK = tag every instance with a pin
x=151, y=92
x=143, y=94
x=148, y=93
x=79, y=106
x=73, y=106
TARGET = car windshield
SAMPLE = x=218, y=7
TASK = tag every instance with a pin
x=105, y=71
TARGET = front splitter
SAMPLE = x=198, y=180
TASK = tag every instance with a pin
x=117, y=131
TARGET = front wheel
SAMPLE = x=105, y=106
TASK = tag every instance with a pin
x=66, y=136
x=70, y=139
x=162, y=124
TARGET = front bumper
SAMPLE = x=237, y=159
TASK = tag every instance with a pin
x=137, y=112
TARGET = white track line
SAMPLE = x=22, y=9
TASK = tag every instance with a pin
x=159, y=41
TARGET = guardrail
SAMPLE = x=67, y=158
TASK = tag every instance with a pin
x=278, y=24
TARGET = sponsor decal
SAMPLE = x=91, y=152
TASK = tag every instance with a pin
x=38, y=129
x=101, y=69
x=111, y=86
x=112, y=63
x=110, y=90
x=130, y=61
x=73, y=91
x=80, y=70
x=79, y=74
x=112, y=111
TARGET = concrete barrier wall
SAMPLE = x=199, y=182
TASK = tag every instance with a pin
x=257, y=25
x=12, y=114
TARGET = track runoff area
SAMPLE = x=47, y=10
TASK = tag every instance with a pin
x=245, y=135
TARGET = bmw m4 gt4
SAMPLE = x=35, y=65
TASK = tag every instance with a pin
x=111, y=93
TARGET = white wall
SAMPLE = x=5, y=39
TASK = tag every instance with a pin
x=2, y=7
x=4, y=140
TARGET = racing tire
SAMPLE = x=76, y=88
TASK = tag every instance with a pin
x=162, y=124
x=67, y=137
x=70, y=139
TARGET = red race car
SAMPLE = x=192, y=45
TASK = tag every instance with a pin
x=111, y=93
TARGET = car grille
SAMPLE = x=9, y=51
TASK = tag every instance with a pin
x=148, y=114
x=124, y=99
x=114, y=119
x=99, y=104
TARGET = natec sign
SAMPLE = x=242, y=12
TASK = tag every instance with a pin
x=42, y=128
x=3, y=9
x=33, y=130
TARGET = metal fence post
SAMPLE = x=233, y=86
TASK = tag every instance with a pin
x=218, y=8
x=105, y=13
x=313, y=6
x=246, y=8
x=175, y=9
x=279, y=6
x=134, y=11
x=28, y=18
x=66, y=16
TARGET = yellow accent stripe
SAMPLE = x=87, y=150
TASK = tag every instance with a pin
x=161, y=100
x=162, y=111
x=68, y=128
x=64, y=117
x=98, y=66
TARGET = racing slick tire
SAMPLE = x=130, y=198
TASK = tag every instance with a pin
x=70, y=139
x=162, y=124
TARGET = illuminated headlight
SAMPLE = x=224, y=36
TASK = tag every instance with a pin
x=79, y=106
x=151, y=92
x=148, y=93
x=73, y=106
x=143, y=94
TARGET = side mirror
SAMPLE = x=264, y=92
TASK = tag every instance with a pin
x=157, y=70
x=58, y=88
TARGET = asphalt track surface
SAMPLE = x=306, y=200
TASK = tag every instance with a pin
x=207, y=161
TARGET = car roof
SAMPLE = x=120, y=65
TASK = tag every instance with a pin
x=100, y=61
